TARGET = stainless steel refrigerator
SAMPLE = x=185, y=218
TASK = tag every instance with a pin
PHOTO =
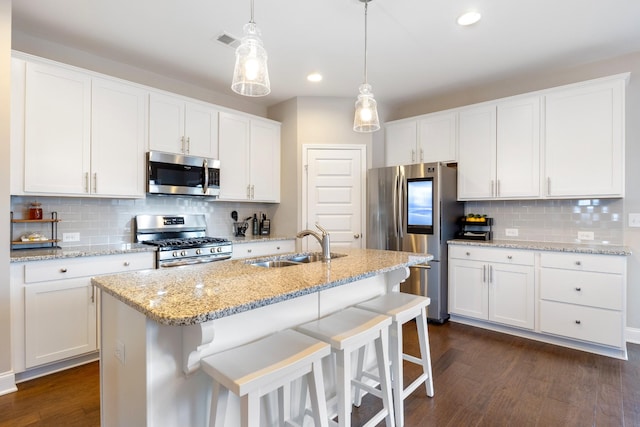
x=414, y=208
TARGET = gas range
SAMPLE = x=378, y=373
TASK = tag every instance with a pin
x=181, y=239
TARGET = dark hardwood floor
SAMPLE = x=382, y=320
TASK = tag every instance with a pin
x=481, y=378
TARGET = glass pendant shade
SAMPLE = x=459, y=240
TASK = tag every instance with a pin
x=250, y=75
x=366, y=117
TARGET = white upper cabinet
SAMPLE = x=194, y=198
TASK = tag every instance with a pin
x=437, y=137
x=184, y=127
x=57, y=145
x=477, y=152
x=425, y=139
x=500, y=150
x=118, y=135
x=249, y=159
x=83, y=135
x=518, y=148
x=584, y=140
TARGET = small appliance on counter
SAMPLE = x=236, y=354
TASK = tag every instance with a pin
x=475, y=227
x=265, y=226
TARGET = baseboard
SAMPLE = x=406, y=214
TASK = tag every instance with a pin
x=7, y=383
x=633, y=335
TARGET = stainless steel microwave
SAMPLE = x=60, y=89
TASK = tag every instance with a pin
x=182, y=175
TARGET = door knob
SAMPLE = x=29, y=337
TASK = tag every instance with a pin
x=356, y=236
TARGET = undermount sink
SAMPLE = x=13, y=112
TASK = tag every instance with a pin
x=297, y=259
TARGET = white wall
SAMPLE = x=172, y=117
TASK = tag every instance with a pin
x=6, y=376
x=550, y=78
x=313, y=120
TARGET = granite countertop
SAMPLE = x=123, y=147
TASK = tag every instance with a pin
x=599, y=249
x=196, y=294
x=23, y=255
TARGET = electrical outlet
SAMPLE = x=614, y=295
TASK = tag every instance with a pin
x=585, y=235
x=120, y=351
x=511, y=232
x=70, y=237
x=634, y=220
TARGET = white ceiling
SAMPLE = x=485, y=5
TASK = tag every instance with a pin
x=416, y=49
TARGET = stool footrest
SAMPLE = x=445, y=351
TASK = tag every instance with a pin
x=414, y=385
x=412, y=359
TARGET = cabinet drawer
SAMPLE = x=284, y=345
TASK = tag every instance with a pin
x=508, y=256
x=583, y=262
x=600, y=290
x=69, y=268
x=246, y=250
x=583, y=323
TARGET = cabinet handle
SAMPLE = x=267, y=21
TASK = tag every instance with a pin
x=492, y=189
x=578, y=263
x=490, y=274
x=248, y=250
x=498, y=188
x=86, y=182
x=93, y=294
x=182, y=144
x=277, y=248
x=468, y=253
x=95, y=182
x=413, y=155
x=63, y=270
x=127, y=264
x=188, y=145
x=484, y=273
x=578, y=322
x=248, y=192
x=509, y=257
x=548, y=186
x=578, y=288
x=421, y=155
x=253, y=191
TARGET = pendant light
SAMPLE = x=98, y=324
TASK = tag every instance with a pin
x=251, y=76
x=366, y=117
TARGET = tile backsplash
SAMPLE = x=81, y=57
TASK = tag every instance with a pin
x=110, y=221
x=555, y=220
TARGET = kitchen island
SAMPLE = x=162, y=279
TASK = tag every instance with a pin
x=156, y=325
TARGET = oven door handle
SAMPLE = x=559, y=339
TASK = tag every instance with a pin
x=205, y=166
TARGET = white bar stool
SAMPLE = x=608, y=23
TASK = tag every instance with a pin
x=260, y=367
x=401, y=308
x=349, y=330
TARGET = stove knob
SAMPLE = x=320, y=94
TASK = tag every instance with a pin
x=183, y=253
x=198, y=251
x=174, y=254
x=212, y=250
x=219, y=249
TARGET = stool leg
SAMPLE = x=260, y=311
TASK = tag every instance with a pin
x=250, y=410
x=382, y=356
x=343, y=387
x=425, y=350
x=357, y=398
x=395, y=344
x=219, y=399
x=316, y=392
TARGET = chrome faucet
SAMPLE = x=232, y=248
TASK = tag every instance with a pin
x=323, y=239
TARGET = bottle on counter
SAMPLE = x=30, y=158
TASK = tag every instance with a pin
x=255, y=225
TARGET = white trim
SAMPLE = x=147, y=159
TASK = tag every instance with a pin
x=305, y=180
x=7, y=383
x=633, y=335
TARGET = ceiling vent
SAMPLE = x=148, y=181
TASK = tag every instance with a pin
x=228, y=40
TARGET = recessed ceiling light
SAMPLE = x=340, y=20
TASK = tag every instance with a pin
x=469, y=18
x=314, y=77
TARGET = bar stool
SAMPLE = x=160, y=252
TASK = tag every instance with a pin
x=260, y=367
x=401, y=308
x=349, y=330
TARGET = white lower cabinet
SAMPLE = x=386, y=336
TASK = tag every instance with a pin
x=492, y=284
x=572, y=299
x=262, y=248
x=55, y=307
x=583, y=297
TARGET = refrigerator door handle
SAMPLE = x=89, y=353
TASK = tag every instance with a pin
x=400, y=205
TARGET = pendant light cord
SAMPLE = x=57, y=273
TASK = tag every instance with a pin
x=366, y=4
x=252, y=21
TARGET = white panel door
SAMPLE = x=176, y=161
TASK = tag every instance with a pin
x=166, y=123
x=201, y=130
x=265, y=161
x=438, y=137
x=235, y=138
x=335, y=195
x=400, y=143
x=511, y=295
x=468, y=294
